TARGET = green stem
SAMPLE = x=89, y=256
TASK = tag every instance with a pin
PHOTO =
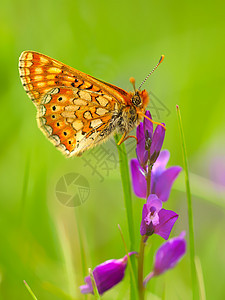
x=125, y=178
x=190, y=211
x=141, y=289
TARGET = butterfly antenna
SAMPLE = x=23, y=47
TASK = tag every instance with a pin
x=161, y=59
x=132, y=81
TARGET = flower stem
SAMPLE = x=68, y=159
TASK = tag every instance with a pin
x=190, y=211
x=141, y=289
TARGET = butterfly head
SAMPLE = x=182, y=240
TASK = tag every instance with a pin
x=139, y=99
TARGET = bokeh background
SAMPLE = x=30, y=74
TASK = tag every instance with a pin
x=111, y=40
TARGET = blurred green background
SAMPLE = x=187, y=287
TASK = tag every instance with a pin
x=111, y=40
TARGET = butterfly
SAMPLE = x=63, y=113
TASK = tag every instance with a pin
x=77, y=111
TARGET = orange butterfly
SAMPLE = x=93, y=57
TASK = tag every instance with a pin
x=77, y=111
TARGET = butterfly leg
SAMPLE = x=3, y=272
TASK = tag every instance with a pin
x=123, y=138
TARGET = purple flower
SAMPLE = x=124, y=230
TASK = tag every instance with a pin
x=155, y=219
x=106, y=275
x=149, y=141
x=161, y=178
x=168, y=255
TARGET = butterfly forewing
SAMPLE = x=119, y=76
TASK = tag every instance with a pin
x=74, y=109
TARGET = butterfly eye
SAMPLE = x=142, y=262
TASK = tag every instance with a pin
x=136, y=100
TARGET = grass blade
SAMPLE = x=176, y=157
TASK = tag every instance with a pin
x=68, y=257
x=201, y=284
x=29, y=290
x=189, y=204
x=125, y=178
x=25, y=188
x=95, y=290
x=128, y=260
x=81, y=242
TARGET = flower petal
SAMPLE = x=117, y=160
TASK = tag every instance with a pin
x=87, y=288
x=144, y=228
x=157, y=142
x=153, y=200
x=142, y=154
x=165, y=181
x=169, y=254
x=138, y=179
x=148, y=125
x=167, y=218
x=106, y=275
x=161, y=162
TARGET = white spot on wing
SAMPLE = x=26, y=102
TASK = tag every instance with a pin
x=38, y=70
x=101, y=111
x=85, y=95
x=96, y=123
x=78, y=124
x=54, y=70
x=29, y=56
x=40, y=84
x=72, y=107
x=79, y=102
x=54, y=91
x=41, y=111
x=47, y=98
x=47, y=129
x=102, y=100
x=55, y=139
x=87, y=115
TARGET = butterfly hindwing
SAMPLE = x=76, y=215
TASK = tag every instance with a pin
x=69, y=118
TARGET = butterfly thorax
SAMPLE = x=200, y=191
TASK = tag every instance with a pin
x=127, y=117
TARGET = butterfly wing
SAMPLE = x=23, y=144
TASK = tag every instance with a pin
x=74, y=109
